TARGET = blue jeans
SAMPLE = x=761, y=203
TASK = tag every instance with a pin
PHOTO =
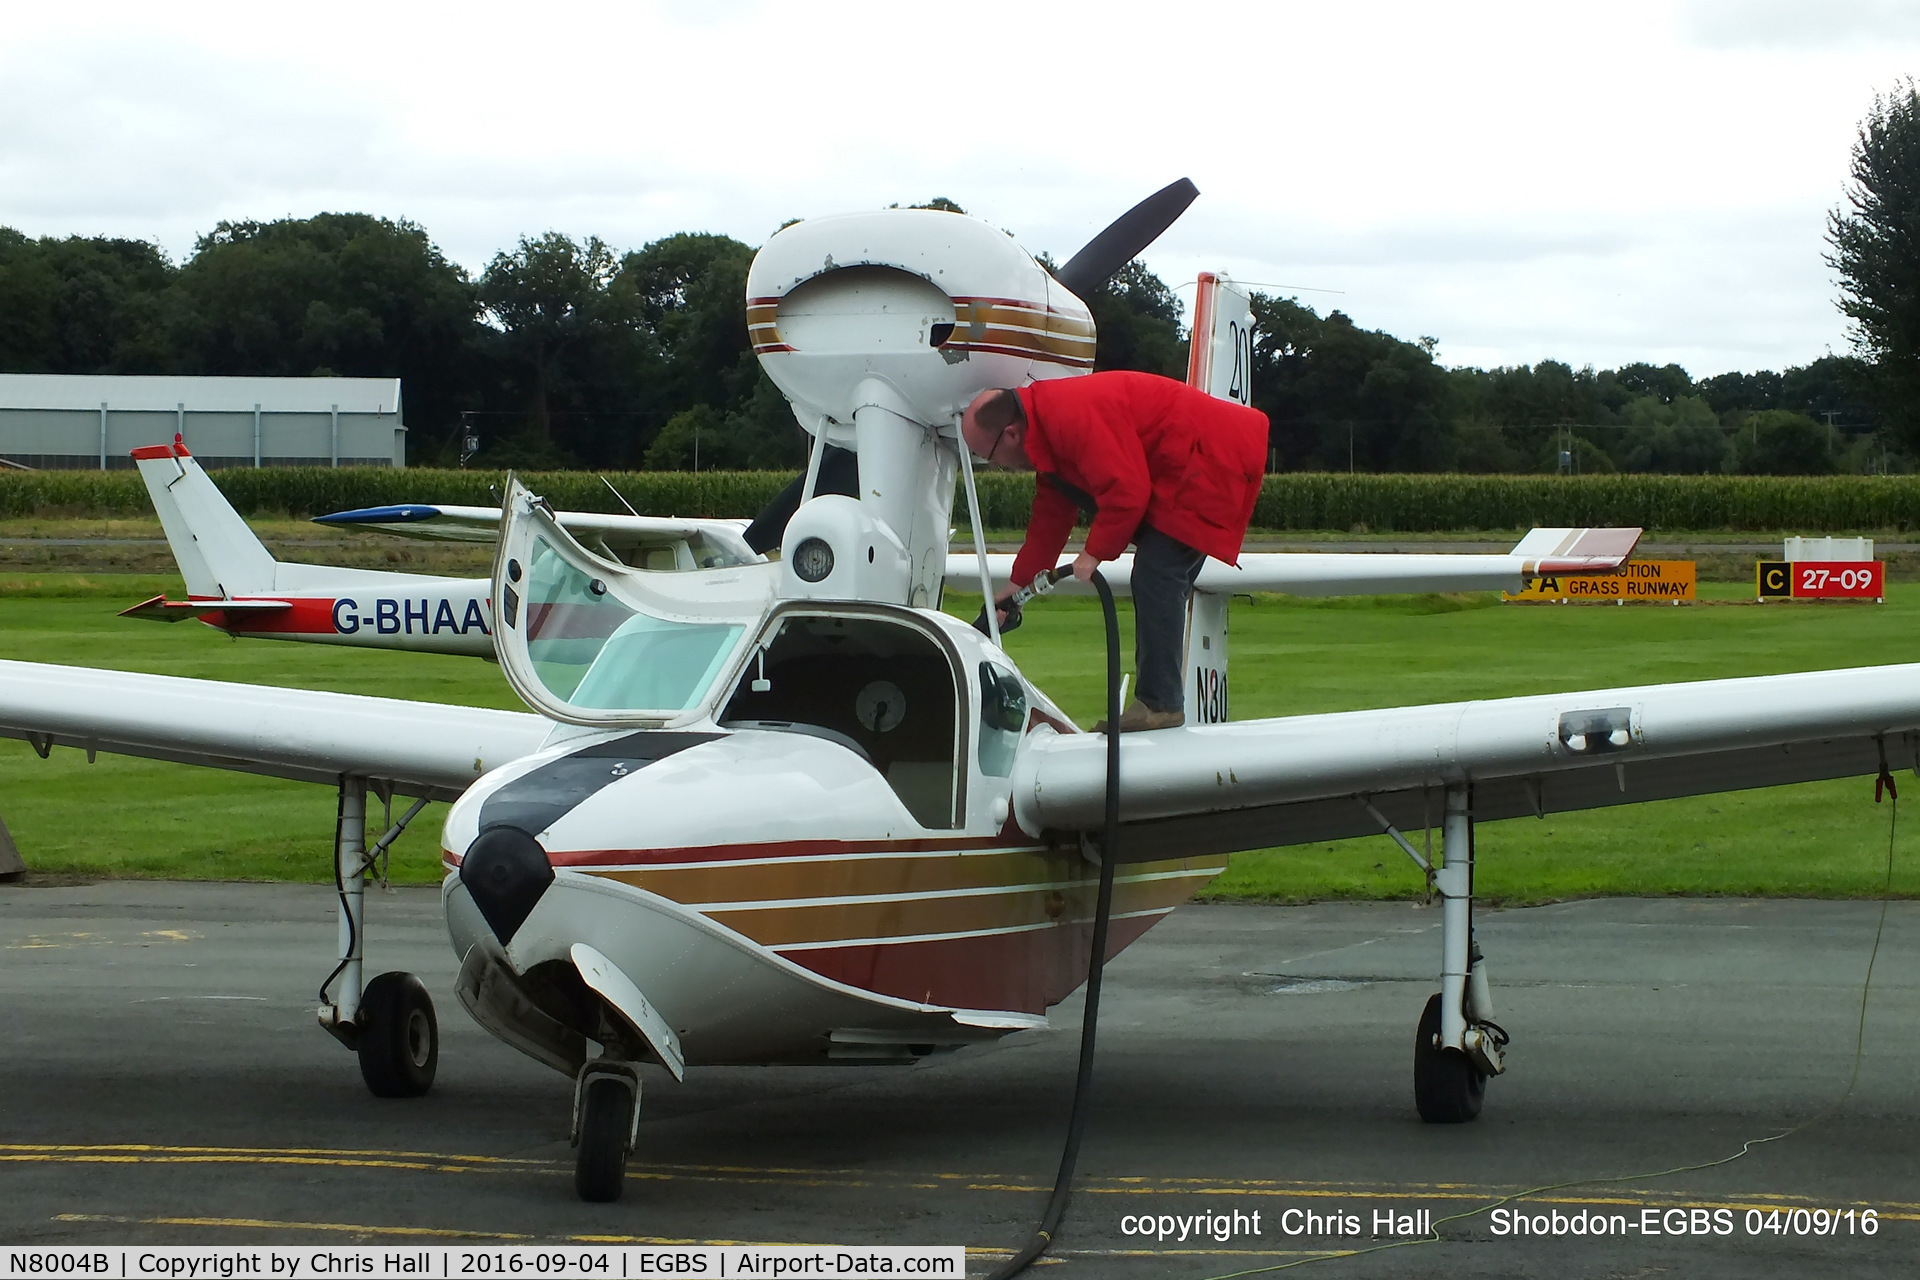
x=1164, y=570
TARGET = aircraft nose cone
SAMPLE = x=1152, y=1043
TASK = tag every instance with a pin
x=505, y=872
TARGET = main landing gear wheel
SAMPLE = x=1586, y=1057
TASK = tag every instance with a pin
x=606, y=1128
x=399, y=1040
x=1447, y=1086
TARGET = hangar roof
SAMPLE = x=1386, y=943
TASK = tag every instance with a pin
x=203, y=395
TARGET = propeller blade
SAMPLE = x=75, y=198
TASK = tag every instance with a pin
x=1125, y=237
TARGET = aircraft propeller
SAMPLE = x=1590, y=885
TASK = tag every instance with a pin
x=1125, y=237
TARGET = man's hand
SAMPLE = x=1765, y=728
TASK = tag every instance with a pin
x=1084, y=565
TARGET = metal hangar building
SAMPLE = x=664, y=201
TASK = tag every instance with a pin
x=62, y=421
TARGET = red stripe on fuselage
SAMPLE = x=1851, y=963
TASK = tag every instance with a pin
x=299, y=618
x=1024, y=972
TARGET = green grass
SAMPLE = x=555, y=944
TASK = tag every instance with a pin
x=127, y=817
x=138, y=818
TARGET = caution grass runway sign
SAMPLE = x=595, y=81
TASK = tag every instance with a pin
x=1636, y=582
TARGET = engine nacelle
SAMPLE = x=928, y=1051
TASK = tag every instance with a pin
x=936, y=305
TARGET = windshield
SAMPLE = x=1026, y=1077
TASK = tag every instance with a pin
x=594, y=652
x=653, y=663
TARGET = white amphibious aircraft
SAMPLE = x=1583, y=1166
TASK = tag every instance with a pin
x=787, y=811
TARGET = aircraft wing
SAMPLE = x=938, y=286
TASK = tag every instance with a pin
x=442, y=523
x=421, y=748
x=1542, y=553
x=1259, y=783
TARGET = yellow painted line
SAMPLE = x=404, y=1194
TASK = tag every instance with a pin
x=144, y=1153
x=266, y=1224
x=45, y=941
x=1205, y=1253
x=939, y=1180
x=160, y=1148
x=416, y=1166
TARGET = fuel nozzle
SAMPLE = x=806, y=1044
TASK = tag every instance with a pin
x=1043, y=582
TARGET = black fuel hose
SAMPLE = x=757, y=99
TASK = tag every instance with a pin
x=1103, y=908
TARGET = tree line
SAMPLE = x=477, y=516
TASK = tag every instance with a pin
x=566, y=352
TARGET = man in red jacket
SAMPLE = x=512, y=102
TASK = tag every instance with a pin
x=1154, y=462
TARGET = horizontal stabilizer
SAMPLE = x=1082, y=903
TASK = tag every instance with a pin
x=161, y=609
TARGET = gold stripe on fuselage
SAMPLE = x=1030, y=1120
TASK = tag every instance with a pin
x=822, y=901
x=1007, y=326
x=839, y=875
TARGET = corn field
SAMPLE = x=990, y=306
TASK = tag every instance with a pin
x=1340, y=503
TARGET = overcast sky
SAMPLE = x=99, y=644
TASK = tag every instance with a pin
x=1595, y=183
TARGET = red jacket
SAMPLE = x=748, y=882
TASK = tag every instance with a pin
x=1146, y=449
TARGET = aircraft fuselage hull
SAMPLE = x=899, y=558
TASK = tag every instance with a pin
x=855, y=920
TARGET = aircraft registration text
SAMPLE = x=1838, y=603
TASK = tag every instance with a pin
x=397, y=617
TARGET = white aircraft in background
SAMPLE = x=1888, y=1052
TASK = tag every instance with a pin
x=788, y=811
x=234, y=583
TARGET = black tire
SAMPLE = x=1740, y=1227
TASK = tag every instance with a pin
x=606, y=1122
x=399, y=1039
x=1447, y=1087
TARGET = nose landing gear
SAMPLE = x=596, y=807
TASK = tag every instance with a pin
x=606, y=1122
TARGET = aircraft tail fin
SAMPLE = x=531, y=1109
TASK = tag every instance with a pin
x=1220, y=356
x=218, y=554
x=1220, y=363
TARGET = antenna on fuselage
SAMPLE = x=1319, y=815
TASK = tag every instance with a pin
x=616, y=493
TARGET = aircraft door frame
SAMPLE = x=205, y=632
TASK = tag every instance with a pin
x=591, y=641
x=959, y=758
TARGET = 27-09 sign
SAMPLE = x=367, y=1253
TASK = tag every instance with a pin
x=1821, y=580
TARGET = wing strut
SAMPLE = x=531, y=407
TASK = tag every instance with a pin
x=1393, y=833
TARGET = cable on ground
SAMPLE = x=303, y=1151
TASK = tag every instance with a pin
x=1043, y=1235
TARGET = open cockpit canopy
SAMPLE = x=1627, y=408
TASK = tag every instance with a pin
x=589, y=640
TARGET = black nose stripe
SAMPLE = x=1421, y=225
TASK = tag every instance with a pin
x=541, y=797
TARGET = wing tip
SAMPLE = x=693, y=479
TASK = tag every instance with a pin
x=397, y=513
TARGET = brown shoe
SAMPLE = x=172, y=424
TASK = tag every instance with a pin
x=1139, y=717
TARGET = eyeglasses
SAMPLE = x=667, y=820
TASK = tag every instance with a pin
x=996, y=442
